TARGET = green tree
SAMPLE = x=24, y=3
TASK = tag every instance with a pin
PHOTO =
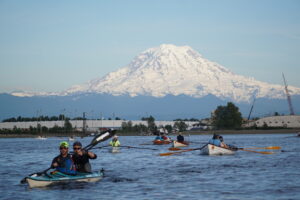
x=151, y=123
x=68, y=126
x=227, y=117
x=180, y=125
x=140, y=128
x=169, y=128
x=127, y=126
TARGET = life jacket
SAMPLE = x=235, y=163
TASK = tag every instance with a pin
x=66, y=166
x=115, y=143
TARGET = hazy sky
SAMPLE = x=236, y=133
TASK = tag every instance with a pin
x=52, y=45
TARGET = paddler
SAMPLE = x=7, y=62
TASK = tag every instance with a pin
x=64, y=163
x=215, y=140
x=115, y=142
x=180, y=138
x=81, y=158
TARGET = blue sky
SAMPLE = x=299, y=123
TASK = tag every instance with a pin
x=52, y=45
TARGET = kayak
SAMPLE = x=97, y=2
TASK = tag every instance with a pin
x=180, y=144
x=48, y=179
x=160, y=142
x=215, y=150
x=115, y=150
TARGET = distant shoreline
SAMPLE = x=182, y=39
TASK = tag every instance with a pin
x=252, y=131
x=220, y=132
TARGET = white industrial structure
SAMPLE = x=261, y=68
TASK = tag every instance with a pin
x=288, y=121
x=91, y=125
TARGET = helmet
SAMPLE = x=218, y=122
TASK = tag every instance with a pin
x=64, y=144
x=77, y=143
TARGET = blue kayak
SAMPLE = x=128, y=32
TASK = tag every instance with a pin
x=47, y=179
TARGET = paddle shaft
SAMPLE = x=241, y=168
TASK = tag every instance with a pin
x=272, y=148
x=137, y=147
x=172, y=153
x=261, y=152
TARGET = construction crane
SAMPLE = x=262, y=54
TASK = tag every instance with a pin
x=251, y=109
x=288, y=96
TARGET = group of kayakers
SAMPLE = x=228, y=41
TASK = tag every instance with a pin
x=78, y=161
x=164, y=137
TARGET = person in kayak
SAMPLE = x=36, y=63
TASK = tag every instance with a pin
x=222, y=143
x=228, y=146
x=64, y=162
x=81, y=158
x=218, y=140
x=165, y=138
x=180, y=138
x=115, y=142
x=215, y=140
x=158, y=137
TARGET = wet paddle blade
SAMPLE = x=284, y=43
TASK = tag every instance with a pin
x=174, y=149
x=100, y=138
x=167, y=154
x=261, y=152
x=270, y=148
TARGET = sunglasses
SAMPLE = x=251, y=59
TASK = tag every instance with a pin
x=76, y=148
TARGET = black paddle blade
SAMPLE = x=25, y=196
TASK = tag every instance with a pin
x=103, y=136
x=24, y=180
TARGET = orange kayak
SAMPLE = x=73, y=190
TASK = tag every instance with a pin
x=160, y=142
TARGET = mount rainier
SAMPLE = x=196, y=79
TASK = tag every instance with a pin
x=167, y=81
x=173, y=70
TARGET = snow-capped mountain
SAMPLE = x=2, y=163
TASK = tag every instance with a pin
x=174, y=70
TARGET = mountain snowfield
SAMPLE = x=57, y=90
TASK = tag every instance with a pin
x=176, y=70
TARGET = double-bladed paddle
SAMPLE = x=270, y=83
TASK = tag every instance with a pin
x=137, y=147
x=261, y=152
x=178, y=152
x=270, y=148
x=104, y=135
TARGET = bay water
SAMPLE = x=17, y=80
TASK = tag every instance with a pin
x=142, y=174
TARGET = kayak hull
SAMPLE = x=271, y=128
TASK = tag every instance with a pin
x=44, y=180
x=115, y=150
x=215, y=150
x=180, y=144
x=161, y=142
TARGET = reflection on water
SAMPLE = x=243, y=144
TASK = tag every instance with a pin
x=142, y=174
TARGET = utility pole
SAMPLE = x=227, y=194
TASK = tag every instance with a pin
x=84, y=123
x=101, y=120
x=288, y=96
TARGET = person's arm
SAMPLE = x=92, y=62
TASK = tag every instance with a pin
x=223, y=145
x=55, y=162
x=91, y=155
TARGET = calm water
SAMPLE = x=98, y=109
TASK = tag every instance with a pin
x=141, y=174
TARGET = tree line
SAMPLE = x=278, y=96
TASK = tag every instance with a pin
x=223, y=117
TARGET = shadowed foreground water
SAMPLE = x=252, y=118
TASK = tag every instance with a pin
x=142, y=174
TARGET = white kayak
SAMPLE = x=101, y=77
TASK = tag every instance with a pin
x=50, y=179
x=180, y=144
x=115, y=150
x=215, y=150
